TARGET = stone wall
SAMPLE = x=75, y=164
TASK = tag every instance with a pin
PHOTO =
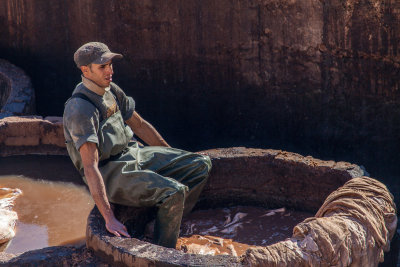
x=315, y=77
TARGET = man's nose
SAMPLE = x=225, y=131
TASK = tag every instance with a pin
x=109, y=70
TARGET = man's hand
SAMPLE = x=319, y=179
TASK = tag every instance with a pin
x=116, y=228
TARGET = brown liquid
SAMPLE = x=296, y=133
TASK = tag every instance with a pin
x=233, y=230
x=49, y=213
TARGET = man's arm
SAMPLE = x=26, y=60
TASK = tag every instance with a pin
x=90, y=159
x=145, y=131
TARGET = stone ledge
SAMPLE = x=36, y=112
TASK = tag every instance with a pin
x=134, y=252
x=52, y=256
x=31, y=135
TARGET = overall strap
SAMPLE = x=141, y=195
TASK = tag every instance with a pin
x=84, y=97
x=113, y=92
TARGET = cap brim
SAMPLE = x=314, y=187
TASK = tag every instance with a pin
x=107, y=57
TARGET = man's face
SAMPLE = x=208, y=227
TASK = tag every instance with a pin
x=101, y=74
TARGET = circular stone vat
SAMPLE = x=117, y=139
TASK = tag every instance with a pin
x=240, y=176
x=17, y=96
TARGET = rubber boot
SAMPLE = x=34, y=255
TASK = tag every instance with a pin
x=168, y=219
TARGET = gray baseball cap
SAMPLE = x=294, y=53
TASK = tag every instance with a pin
x=94, y=52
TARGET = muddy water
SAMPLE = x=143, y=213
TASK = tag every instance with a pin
x=50, y=213
x=233, y=230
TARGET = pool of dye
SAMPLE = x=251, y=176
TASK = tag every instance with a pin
x=233, y=230
x=54, y=213
x=49, y=213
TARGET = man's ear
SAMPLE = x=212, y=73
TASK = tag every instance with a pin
x=84, y=69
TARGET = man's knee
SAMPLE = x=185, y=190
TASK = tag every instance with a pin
x=204, y=163
x=180, y=190
x=177, y=198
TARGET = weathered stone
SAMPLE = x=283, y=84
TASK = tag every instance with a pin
x=17, y=96
x=20, y=126
x=52, y=131
x=273, y=178
x=22, y=141
x=52, y=256
x=134, y=252
x=31, y=134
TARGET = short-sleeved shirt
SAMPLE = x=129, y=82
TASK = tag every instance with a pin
x=82, y=119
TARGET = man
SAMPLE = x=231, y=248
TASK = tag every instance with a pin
x=98, y=123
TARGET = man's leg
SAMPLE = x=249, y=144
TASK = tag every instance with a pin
x=144, y=188
x=156, y=176
x=185, y=167
x=168, y=219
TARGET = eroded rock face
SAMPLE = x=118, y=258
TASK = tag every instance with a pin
x=320, y=75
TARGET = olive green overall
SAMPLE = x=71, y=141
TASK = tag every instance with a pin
x=167, y=178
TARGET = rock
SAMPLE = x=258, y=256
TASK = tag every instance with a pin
x=17, y=96
x=52, y=131
x=8, y=217
x=20, y=126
